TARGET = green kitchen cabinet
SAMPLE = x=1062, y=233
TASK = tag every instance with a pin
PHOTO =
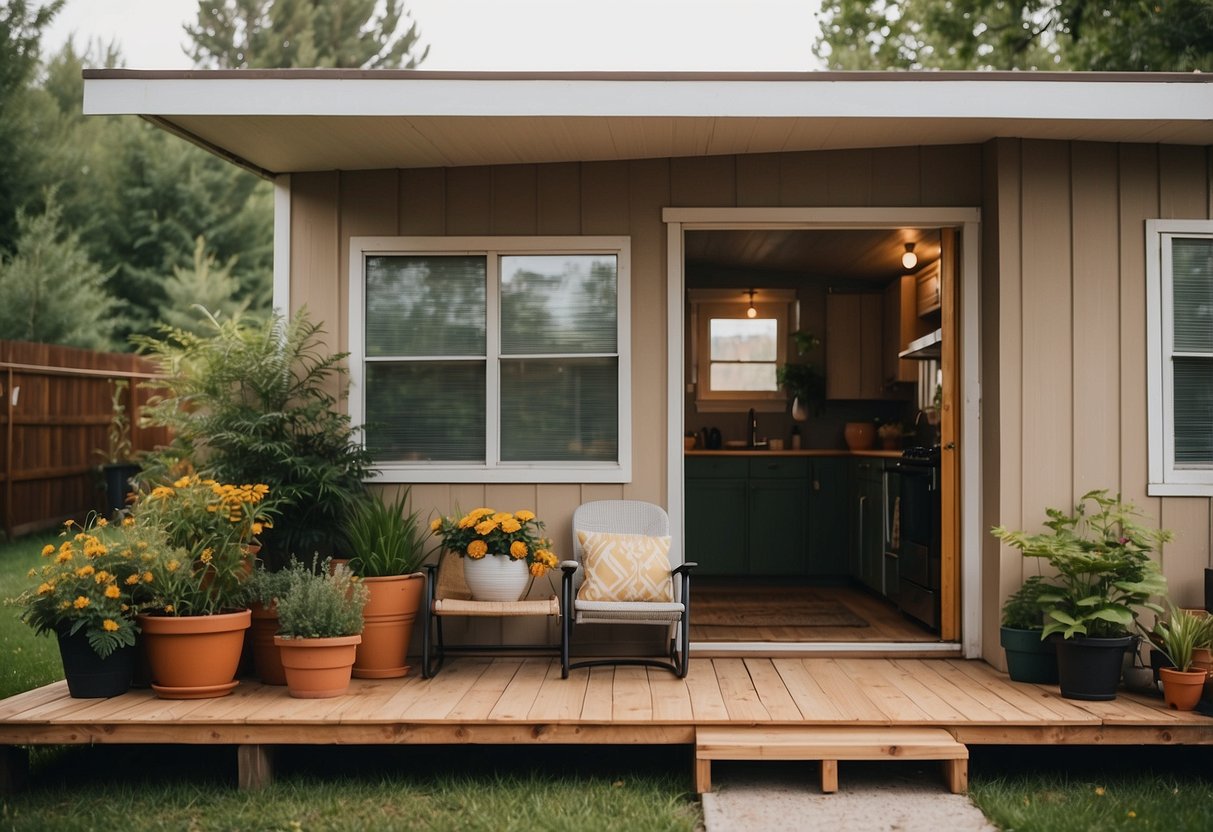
x=829, y=532
x=717, y=497
x=778, y=521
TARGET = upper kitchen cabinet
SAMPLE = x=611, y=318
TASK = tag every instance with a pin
x=928, y=290
x=902, y=324
x=854, y=345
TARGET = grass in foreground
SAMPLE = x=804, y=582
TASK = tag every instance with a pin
x=431, y=788
x=27, y=661
x=1052, y=789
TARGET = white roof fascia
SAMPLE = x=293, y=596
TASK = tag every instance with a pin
x=850, y=98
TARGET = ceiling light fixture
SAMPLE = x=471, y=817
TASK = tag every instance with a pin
x=751, y=312
x=909, y=259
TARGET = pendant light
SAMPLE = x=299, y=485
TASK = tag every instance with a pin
x=751, y=312
x=909, y=259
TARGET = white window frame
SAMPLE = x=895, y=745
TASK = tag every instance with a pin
x=494, y=470
x=706, y=304
x=1165, y=480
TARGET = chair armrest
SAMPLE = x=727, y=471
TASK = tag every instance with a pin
x=684, y=568
x=569, y=565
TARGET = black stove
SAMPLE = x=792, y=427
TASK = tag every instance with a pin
x=919, y=546
x=921, y=453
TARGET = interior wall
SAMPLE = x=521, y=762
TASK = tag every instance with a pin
x=1064, y=329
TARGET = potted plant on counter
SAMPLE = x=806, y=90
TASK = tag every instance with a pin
x=1178, y=637
x=1104, y=578
x=195, y=605
x=83, y=595
x=802, y=380
x=1030, y=657
x=319, y=626
x=386, y=548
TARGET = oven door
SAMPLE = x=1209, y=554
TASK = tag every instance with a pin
x=918, y=561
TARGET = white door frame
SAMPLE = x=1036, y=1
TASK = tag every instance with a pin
x=968, y=220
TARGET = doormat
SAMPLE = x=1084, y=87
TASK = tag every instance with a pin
x=760, y=613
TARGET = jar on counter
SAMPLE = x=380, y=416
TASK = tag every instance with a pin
x=795, y=437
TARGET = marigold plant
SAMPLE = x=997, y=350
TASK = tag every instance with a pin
x=209, y=527
x=486, y=531
x=88, y=583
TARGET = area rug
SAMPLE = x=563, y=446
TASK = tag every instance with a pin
x=767, y=613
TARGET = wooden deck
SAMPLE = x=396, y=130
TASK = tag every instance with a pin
x=525, y=701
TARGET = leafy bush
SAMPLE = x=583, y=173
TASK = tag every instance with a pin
x=327, y=604
x=383, y=540
x=1023, y=611
x=257, y=401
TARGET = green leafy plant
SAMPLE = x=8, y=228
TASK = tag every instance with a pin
x=88, y=581
x=266, y=587
x=118, y=448
x=1022, y=610
x=383, y=539
x=802, y=379
x=257, y=401
x=326, y=604
x=1180, y=634
x=1105, y=575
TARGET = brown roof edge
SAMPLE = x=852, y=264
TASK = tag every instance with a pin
x=432, y=75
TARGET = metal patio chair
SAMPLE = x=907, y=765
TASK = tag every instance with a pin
x=626, y=517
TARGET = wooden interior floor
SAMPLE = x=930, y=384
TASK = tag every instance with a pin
x=885, y=622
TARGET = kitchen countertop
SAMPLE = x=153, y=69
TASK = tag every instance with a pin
x=802, y=452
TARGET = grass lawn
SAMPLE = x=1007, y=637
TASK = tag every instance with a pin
x=26, y=661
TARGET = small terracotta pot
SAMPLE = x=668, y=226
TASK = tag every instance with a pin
x=194, y=656
x=267, y=660
x=860, y=436
x=1182, y=688
x=317, y=668
x=391, y=608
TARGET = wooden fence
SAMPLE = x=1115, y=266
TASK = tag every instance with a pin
x=55, y=417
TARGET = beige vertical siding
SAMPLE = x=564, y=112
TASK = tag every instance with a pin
x=1065, y=363
x=608, y=198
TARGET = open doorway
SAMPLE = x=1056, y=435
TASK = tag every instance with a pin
x=822, y=517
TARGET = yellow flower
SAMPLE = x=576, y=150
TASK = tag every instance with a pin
x=85, y=571
x=127, y=522
x=173, y=565
x=524, y=515
x=112, y=591
x=64, y=556
x=538, y=569
x=102, y=522
x=48, y=550
x=182, y=483
x=46, y=588
x=168, y=608
x=518, y=550
x=485, y=526
x=109, y=625
x=257, y=528
x=132, y=579
x=147, y=577
x=435, y=524
x=81, y=602
x=31, y=573
x=1099, y=790
x=477, y=549
x=509, y=525
x=162, y=492
x=477, y=513
x=103, y=576
x=207, y=556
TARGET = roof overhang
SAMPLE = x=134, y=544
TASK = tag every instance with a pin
x=280, y=121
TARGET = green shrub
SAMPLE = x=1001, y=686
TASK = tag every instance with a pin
x=327, y=604
x=383, y=540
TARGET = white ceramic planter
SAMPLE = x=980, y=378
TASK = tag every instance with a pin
x=496, y=577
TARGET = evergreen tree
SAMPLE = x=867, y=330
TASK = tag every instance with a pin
x=1146, y=35
x=21, y=27
x=50, y=292
x=259, y=34
x=205, y=289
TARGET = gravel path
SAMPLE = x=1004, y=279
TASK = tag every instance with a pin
x=871, y=797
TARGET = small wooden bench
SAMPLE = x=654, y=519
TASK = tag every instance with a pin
x=829, y=745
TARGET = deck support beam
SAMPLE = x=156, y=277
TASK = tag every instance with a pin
x=254, y=766
x=14, y=768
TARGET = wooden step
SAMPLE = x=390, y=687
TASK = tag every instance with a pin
x=829, y=745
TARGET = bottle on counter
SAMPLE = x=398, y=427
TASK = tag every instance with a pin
x=795, y=437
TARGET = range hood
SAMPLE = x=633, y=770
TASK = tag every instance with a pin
x=924, y=348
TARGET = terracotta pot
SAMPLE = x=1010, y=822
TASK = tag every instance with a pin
x=194, y=656
x=266, y=659
x=391, y=608
x=317, y=668
x=1182, y=689
x=860, y=436
x=496, y=577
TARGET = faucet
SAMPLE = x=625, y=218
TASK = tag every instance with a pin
x=752, y=426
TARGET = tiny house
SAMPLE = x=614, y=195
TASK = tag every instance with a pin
x=544, y=282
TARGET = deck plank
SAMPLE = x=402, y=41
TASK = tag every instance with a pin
x=479, y=702
x=853, y=704
x=444, y=690
x=671, y=697
x=515, y=703
x=597, y=705
x=918, y=671
x=1031, y=699
x=707, y=702
x=1006, y=711
x=632, y=695
x=740, y=696
x=772, y=691
x=560, y=699
x=892, y=702
x=15, y=705
x=812, y=701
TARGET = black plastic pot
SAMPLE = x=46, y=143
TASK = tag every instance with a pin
x=1028, y=658
x=117, y=485
x=88, y=675
x=1089, y=668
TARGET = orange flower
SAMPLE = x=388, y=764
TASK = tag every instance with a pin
x=477, y=549
x=518, y=550
x=109, y=625
x=524, y=515
x=112, y=591
x=81, y=602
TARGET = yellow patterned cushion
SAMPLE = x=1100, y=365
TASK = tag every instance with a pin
x=625, y=567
